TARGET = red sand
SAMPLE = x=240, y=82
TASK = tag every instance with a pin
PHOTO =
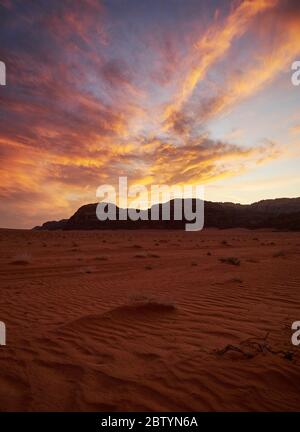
x=133, y=320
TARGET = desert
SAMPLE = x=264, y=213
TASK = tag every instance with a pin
x=149, y=320
x=149, y=212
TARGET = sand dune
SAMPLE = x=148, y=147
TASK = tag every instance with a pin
x=91, y=326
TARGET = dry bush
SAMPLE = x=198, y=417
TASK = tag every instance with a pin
x=136, y=246
x=152, y=255
x=21, y=259
x=252, y=260
x=141, y=255
x=235, y=280
x=231, y=260
x=252, y=347
x=145, y=300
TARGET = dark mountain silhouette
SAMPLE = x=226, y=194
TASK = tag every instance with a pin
x=52, y=225
x=281, y=213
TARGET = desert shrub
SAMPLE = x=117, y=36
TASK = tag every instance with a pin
x=231, y=260
x=144, y=300
x=252, y=260
x=141, y=255
x=21, y=259
x=236, y=280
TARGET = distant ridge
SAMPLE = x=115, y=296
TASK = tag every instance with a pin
x=280, y=213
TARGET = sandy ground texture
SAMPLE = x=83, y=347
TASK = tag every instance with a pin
x=149, y=320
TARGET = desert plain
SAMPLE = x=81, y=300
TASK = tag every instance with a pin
x=149, y=320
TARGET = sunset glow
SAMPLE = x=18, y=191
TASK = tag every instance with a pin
x=163, y=92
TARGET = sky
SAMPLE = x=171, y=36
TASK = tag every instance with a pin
x=169, y=92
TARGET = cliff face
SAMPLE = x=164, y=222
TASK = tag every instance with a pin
x=282, y=213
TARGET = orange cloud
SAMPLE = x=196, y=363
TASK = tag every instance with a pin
x=295, y=129
x=213, y=46
x=82, y=108
x=274, y=60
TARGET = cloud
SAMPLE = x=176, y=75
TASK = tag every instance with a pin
x=276, y=57
x=295, y=129
x=101, y=89
x=213, y=46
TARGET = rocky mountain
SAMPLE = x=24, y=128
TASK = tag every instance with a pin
x=281, y=213
x=52, y=225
